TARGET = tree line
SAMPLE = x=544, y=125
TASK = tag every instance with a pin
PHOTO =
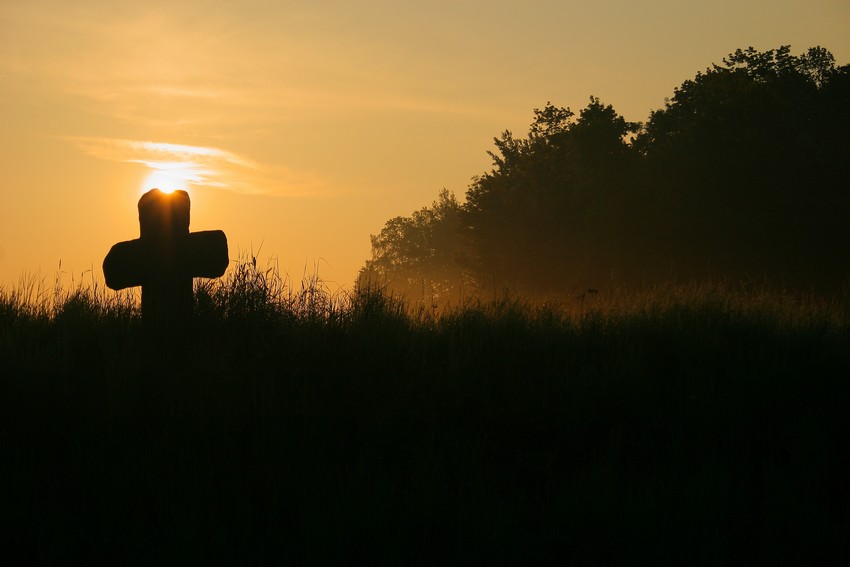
x=741, y=175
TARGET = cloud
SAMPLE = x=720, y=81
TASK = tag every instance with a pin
x=118, y=149
x=202, y=166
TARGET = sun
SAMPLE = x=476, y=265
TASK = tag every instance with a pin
x=167, y=180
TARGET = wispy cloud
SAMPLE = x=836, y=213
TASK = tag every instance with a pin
x=202, y=166
x=118, y=149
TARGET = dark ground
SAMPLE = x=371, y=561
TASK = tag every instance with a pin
x=692, y=436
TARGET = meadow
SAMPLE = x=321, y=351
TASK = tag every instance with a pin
x=690, y=424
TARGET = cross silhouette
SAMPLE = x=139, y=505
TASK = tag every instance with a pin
x=165, y=258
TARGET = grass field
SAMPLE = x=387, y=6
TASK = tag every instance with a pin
x=682, y=425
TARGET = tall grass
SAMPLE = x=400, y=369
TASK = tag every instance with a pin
x=690, y=425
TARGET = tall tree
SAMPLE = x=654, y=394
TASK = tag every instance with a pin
x=538, y=220
x=746, y=164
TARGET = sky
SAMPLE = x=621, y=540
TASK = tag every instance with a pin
x=300, y=128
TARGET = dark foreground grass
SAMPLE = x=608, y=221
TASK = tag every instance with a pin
x=682, y=426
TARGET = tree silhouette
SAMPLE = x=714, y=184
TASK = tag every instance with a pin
x=742, y=174
x=536, y=222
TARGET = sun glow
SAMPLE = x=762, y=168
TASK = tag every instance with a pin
x=169, y=177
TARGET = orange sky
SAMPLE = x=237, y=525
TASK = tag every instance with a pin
x=300, y=128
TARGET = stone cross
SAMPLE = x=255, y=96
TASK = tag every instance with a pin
x=165, y=258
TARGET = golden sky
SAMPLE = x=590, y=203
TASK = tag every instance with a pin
x=300, y=128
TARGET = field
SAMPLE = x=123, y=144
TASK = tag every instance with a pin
x=681, y=425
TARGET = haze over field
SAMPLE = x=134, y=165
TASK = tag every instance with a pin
x=300, y=129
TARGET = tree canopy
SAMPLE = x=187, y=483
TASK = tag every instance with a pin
x=741, y=175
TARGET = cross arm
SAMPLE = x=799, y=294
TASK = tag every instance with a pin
x=206, y=253
x=125, y=265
